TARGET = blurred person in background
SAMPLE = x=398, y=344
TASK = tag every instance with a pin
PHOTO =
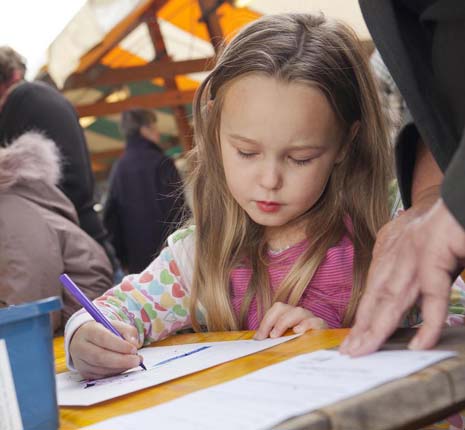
x=26, y=106
x=40, y=233
x=145, y=200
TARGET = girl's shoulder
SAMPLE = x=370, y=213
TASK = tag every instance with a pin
x=183, y=236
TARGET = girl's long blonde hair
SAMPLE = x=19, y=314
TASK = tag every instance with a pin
x=292, y=48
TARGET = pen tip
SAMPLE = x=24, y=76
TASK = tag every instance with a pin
x=143, y=366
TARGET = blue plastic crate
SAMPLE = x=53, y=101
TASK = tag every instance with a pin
x=27, y=331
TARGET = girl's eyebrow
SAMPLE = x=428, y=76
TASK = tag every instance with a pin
x=295, y=147
x=245, y=139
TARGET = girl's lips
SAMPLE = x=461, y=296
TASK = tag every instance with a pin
x=268, y=206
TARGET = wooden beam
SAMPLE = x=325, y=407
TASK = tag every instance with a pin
x=212, y=21
x=180, y=114
x=156, y=69
x=148, y=101
x=156, y=37
x=118, y=33
x=109, y=154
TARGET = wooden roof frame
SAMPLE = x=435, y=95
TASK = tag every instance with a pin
x=90, y=73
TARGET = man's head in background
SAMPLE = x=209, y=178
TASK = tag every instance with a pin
x=140, y=122
x=12, y=69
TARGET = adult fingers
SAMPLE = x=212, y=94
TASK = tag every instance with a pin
x=390, y=292
x=434, y=305
x=371, y=300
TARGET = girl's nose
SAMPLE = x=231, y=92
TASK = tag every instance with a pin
x=271, y=177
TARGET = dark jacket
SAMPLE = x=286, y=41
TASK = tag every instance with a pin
x=39, y=107
x=144, y=203
x=422, y=43
x=40, y=234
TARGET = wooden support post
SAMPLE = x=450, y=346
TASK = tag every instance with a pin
x=212, y=21
x=179, y=111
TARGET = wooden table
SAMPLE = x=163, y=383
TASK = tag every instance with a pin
x=410, y=402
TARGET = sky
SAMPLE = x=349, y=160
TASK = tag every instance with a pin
x=29, y=26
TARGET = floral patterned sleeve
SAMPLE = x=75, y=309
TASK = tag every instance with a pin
x=155, y=301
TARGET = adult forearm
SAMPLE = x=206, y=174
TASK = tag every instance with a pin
x=426, y=181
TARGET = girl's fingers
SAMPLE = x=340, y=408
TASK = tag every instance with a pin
x=102, y=357
x=98, y=335
x=289, y=320
x=310, y=324
x=129, y=332
x=90, y=371
x=269, y=320
x=96, y=351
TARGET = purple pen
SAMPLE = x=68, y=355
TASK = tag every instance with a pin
x=89, y=306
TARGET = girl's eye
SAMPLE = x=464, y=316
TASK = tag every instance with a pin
x=246, y=154
x=301, y=162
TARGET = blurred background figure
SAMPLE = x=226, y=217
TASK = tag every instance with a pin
x=26, y=106
x=40, y=233
x=392, y=102
x=145, y=200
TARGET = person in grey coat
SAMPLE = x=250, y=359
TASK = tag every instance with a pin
x=40, y=237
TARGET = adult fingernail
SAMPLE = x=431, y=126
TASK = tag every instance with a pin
x=273, y=333
x=298, y=329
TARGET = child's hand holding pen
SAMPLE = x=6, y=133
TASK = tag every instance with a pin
x=105, y=353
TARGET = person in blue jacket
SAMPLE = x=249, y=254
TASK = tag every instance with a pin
x=145, y=201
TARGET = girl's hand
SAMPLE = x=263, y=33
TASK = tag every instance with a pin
x=96, y=352
x=281, y=317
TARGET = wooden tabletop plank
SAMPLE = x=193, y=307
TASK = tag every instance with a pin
x=410, y=402
x=76, y=417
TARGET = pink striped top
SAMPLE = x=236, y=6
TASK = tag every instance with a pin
x=327, y=294
x=157, y=301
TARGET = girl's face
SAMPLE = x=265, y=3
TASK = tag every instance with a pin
x=279, y=144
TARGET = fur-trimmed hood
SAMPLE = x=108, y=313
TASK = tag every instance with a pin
x=31, y=157
x=30, y=169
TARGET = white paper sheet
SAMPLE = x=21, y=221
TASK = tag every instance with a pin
x=271, y=395
x=10, y=418
x=163, y=364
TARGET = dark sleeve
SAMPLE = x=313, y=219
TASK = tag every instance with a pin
x=112, y=220
x=405, y=152
x=44, y=109
x=172, y=202
x=453, y=186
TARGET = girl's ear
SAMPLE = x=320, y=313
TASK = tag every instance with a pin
x=209, y=105
x=354, y=129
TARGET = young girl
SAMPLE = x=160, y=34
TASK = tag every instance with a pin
x=289, y=179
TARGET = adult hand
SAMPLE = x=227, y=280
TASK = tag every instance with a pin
x=420, y=263
x=281, y=317
x=96, y=352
